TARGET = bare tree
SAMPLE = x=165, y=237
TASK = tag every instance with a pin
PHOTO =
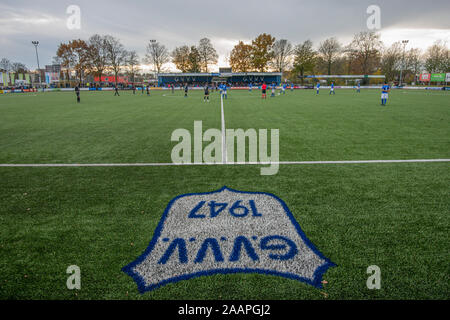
x=391, y=61
x=329, y=51
x=5, y=64
x=348, y=55
x=18, y=67
x=437, y=58
x=282, y=53
x=56, y=60
x=132, y=64
x=365, y=51
x=116, y=54
x=66, y=56
x=208, y=54
x=305, y=58
x=157, y=55
x=98, y=55
x=414, y=62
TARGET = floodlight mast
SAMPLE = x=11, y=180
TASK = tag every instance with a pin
x=36, y=43
x=156, y=73
x=405, y=42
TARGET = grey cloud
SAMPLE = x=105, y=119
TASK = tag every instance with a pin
x=180, y=22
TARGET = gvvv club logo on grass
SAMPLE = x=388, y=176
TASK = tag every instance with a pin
x=227, y=231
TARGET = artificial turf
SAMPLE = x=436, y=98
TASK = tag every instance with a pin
x=395, y=216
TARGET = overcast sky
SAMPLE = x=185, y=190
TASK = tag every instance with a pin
x=179, y=22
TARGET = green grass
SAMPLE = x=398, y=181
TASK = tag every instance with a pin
x=395, y=216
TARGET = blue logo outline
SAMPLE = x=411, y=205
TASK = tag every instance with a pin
x=142, y=287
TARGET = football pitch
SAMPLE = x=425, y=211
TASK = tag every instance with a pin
x=101, y=218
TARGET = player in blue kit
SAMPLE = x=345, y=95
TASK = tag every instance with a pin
x=332, y=88
x=250, y=87
x=385, y=93
x=318, y=88
x=358, y=87
x=224, y=91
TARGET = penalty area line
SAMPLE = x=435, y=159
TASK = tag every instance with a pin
x=50, y=165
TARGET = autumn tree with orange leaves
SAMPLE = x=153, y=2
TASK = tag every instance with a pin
x=253, y=57
x=262, y=52
x=75, y=55
x=240, y=57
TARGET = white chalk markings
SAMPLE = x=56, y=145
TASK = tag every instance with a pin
x=168, y=164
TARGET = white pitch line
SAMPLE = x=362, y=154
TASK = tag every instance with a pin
x=13, y=165
x=224, y=146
